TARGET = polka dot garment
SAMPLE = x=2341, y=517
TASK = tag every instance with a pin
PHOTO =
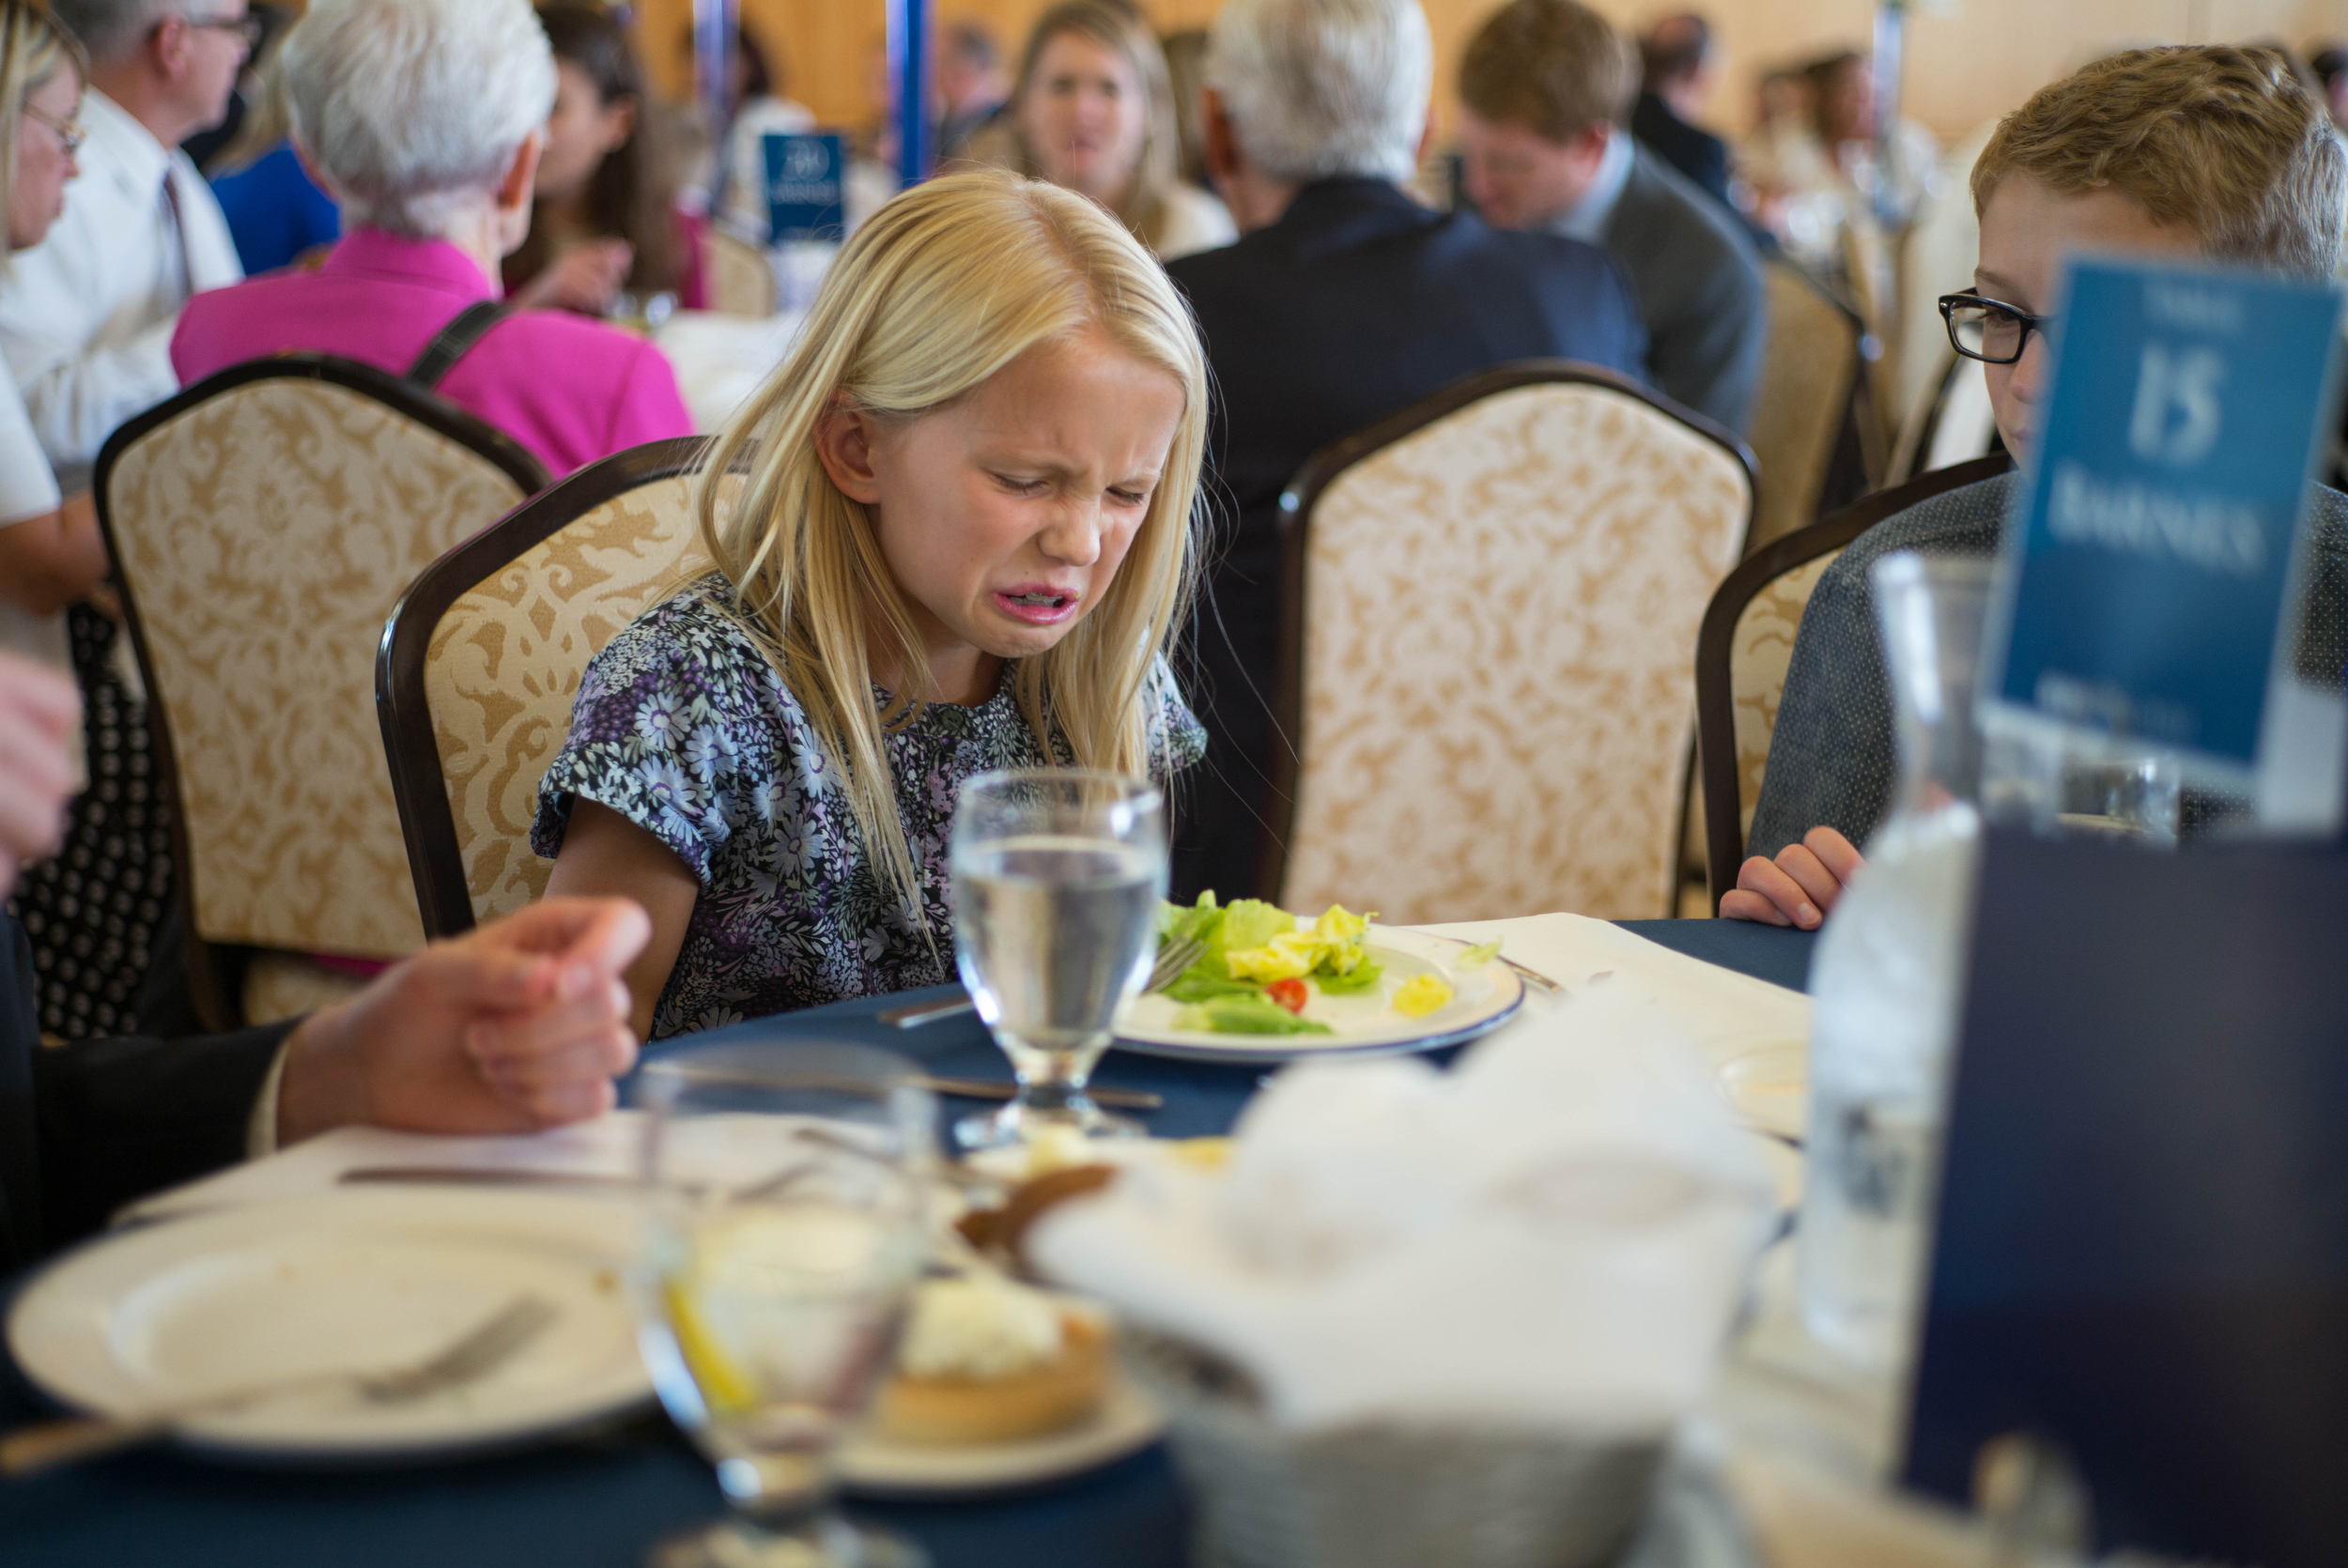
x=94, y=911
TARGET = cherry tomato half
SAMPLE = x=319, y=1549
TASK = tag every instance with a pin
x=1290, y=994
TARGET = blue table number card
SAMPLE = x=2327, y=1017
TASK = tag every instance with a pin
x=804, y=177
x=2153, y=575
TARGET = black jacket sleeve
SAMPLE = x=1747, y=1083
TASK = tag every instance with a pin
x=113, y=1119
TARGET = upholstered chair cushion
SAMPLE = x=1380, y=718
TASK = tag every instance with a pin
x=505, y=662
x=1806, y=381
x=1499, y=634
x=1759, y=655
x=264, y=536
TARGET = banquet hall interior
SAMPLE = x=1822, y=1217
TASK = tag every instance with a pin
x=1505, y=783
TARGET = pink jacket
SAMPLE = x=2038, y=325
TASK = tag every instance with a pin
x=569, y=389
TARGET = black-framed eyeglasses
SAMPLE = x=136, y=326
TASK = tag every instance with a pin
x=1988, y=330
x=70, y=132
x=250, y=28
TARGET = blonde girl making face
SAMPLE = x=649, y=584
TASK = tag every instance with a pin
x=962, y=540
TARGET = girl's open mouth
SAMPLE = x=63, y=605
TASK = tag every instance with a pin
x=1037, y=607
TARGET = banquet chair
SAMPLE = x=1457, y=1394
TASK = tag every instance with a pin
x=483, y=658
x=740, y=282
x=1747, y=642
x=1955, y=425
x=1811, y=410
x=1487, y=603
x=262, y=523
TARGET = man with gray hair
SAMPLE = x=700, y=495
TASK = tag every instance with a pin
x=85, y=318
x=1343, y=302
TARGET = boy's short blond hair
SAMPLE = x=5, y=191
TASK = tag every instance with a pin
x=2223, y=141
x=1554, y=66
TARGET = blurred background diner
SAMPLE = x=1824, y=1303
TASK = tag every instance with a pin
x=606, y=215
x=1092, y=109
x=1786, y=1100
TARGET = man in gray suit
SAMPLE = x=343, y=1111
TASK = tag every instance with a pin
x=1544, y=90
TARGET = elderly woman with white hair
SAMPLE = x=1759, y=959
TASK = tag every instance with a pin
x=1344, y=301
x=424, y=119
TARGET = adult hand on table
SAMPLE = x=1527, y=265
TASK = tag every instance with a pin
x=1800, y=887
x=519, y=1025
x=39, y=708
x=586, y=278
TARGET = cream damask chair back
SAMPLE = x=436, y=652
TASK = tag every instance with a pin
x=1747, y=644
x=1808, y=412
x=483, y=658
x=739, y=280
x=1489, y=605
x=262, y=524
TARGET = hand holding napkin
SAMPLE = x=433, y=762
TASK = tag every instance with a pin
x=1552, y=1234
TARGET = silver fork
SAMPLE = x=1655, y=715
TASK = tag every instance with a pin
x=470, y=1355
x=1173, y=957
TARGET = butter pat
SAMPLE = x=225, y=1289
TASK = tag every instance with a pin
x=1421, y=994
x=980, y=1326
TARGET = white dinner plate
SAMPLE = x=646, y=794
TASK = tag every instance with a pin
x=1365, y=1024
x=872, y=1466
x=358, y=1278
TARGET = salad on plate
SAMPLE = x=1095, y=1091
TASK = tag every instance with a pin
x=1263, y=967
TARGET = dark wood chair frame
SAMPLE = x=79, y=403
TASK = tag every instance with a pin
x=1716, y=706
x=1304, y=494
x=215, y=971
x=414, y=749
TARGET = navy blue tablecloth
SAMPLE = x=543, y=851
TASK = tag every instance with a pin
x=603, y=1498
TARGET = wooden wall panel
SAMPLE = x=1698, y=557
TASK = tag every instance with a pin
x=1971, y=59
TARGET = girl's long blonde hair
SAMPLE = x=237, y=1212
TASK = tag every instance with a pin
x=33, y=43
x=942, y=289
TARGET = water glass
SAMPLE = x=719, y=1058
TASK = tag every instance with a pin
x=784, y=1234
x=1057, y=873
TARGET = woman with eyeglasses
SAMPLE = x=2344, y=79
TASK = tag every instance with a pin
x=50, y=554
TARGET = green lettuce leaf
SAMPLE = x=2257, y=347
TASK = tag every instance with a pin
x=1245, y=1015
x=1361, y=978
x=1194, y=987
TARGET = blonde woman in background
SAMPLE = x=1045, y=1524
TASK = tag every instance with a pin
x=964, y=544
x=1095, y=113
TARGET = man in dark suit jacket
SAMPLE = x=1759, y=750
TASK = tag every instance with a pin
x=1344, y=301
x=1542, y=89
x=1675, y=59
x=520, y=1025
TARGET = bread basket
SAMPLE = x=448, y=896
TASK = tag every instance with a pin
x=1384, y=1497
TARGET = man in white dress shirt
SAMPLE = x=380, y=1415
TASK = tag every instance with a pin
x=86, y=316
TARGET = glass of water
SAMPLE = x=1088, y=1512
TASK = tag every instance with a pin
x=784, y=1231
x=1056, y=877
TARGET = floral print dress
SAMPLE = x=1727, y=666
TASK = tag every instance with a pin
x=683, y=727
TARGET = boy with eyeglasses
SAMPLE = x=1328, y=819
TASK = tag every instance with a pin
x=2209, y=154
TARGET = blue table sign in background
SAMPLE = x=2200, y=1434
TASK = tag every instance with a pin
x=804, y=178
x=2154, y=570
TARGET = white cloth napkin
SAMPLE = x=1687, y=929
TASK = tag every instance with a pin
x=1722, y=1013
x=1552, y=1234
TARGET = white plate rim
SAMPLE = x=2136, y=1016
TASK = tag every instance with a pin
x=53, y=1311
x=872, y=1466
x=1509, y=997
